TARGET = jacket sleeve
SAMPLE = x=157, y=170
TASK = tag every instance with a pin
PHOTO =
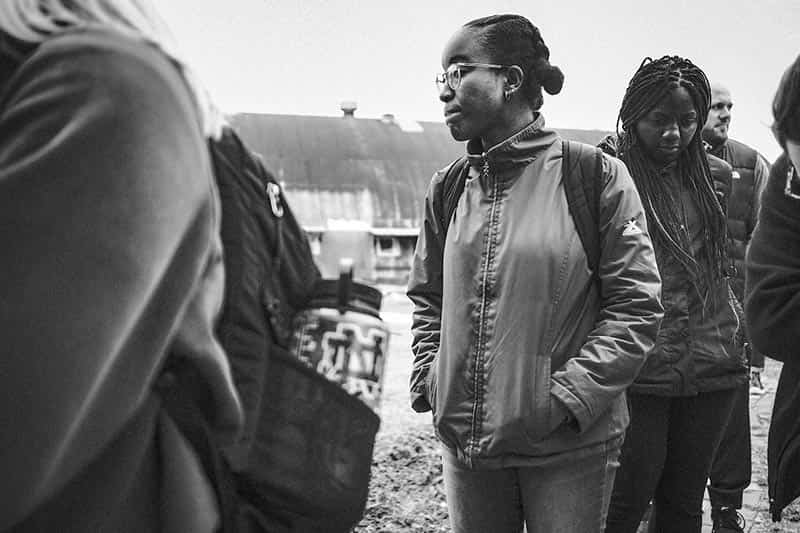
x=772, y=277
x=630, y=309
x=760, y=178
x=425, y=292
x=106, y=214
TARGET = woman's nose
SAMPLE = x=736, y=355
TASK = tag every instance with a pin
x=445, y=92
x=671, y=131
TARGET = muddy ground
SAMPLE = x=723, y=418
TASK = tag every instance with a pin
x=406, y=489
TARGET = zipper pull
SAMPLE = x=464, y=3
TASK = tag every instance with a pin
x=490, y=183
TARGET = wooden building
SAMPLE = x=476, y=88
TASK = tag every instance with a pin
x=357, y=185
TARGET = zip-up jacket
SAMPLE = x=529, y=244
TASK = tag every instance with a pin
x=510, y=327
x=697, y=348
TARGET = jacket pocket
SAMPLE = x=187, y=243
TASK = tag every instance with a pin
x=536, y=417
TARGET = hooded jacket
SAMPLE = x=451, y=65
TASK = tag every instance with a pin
x=510, y=328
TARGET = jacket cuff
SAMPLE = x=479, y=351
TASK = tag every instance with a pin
x=419, y=402
x=573, y=404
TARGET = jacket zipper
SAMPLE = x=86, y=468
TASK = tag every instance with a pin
x=478, y=377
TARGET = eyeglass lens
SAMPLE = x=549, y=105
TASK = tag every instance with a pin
x=453, y=77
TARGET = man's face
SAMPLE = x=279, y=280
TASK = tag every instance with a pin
x=715, y=131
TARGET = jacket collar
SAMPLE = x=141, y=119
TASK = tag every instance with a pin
x=519, y=149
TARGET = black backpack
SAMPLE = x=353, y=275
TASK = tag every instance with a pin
x=582, y=170
x=264, y=481
x=269, y=270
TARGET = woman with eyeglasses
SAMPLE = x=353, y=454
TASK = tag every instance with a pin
x=521, y=350
x=772, y=292
x=681, y=400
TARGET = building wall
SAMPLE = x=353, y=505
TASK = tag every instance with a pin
x=393, y=257
x=335, y=245
x=376, y=259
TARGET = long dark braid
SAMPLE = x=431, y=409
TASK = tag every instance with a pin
x=651, y=82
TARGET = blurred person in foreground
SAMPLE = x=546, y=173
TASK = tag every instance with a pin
x=113, y=273
x=732, y=465
x=772, y=292
x=521, y=351
x=682, y=397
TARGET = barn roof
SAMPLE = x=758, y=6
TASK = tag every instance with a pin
x=372, y=172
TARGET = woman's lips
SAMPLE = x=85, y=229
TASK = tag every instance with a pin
x=451, y=117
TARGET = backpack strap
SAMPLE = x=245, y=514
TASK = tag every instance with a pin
x=452, y=186
x=582, y=171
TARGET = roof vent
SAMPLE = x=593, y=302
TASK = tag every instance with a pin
x=387, y=118
x=348, y=107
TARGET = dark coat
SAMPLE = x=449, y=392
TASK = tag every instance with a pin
x=749, y=175
x=696, y=349
x=772, y=308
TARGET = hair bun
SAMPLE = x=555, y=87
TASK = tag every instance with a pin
x=552, y=79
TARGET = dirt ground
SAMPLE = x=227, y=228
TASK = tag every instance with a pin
x=406, y=489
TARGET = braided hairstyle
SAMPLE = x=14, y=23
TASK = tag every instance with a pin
x=513, y=40
x=653, y=81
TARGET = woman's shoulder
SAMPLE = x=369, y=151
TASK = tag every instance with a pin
x=97, y=42
x=609, y=145
x=100, y=78
x=776, y=205
x=104, y=57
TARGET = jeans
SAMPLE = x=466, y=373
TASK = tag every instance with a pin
x=666, y=457
x=569, y=496
x=732, y=466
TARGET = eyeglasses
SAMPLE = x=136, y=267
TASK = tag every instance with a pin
x=452, y=76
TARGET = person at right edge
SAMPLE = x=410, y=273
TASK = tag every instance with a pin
x=732, y=465
x=684, y=394
x=522, y=353
x=772, y=293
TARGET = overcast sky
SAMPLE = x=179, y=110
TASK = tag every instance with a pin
x=306, y=56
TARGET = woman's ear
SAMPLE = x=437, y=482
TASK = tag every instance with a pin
x=514, y=78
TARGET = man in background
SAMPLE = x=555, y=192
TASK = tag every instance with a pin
x=731, y=469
